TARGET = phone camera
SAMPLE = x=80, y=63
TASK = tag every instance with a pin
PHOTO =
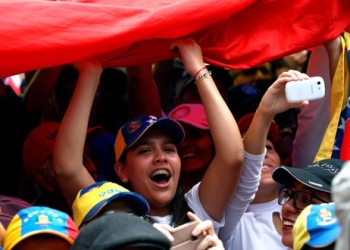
x=318, y=83
x=194, y=238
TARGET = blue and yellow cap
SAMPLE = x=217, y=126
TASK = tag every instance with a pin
x=132, y=131
x=90, y=200
x=317, y=226
x=39, y=220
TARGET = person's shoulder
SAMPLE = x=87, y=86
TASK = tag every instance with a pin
x=9, y=206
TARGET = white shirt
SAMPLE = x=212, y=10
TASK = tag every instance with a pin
x=256, y=230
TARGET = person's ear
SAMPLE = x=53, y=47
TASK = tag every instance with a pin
x=119, y=168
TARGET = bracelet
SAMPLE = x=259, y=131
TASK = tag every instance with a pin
x=199, y=72
x=201, y=77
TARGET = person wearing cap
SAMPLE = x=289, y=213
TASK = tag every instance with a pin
x=197, y=149
x=257, y=224
x=260, y=226
x=147, y=160
x=120, y=231
x=317, y=227
x=40, y=228
x=106, y=197
x=38, y=167
x=302, y=187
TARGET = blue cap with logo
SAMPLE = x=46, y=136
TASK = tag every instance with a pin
x=132, y=131
x=317, y=226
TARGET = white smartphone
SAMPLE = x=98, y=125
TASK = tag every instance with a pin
x=183, y=239
x=305, y=90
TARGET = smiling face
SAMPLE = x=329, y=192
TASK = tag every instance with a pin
x=152, y=167
x=290, y=213
x=196, y=150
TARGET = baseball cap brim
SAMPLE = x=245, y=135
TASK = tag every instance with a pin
x=194, y=124
x=190, y=113
x=169, y=126
x=140, y=204
x=321, y=239
x=287, y=176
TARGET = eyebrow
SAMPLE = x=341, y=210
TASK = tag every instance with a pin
x=307, y=188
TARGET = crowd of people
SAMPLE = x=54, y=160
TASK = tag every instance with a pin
x=119, y=158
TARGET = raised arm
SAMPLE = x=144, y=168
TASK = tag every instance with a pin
x=313, y=119
x=225, y=169
x=334, y=49
x=68, y=153
x=273, y=102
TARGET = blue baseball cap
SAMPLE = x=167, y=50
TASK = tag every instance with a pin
x=316, y=226
x=132, y=131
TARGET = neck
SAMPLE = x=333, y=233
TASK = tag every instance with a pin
x=159, y=211
x=265, y=193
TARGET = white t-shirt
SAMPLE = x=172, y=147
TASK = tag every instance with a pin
x=245, y=193
x=256, y=230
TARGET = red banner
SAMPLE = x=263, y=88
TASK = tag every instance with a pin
x=236, y=34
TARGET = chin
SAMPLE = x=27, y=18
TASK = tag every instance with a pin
x=287, y=242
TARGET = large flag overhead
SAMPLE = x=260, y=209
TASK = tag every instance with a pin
x=236, y=34
x=336, y=140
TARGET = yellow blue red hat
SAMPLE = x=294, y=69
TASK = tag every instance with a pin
x=317, y=226
x=39, y=220
x=132, y=131
x=90, y=200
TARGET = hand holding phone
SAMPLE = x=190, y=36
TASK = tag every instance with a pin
x=183, y=239
x=305, y=90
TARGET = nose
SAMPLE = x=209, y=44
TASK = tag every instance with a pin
x=160, y=156
x=288, y=206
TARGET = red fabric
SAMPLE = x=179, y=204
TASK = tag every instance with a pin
x=345, y=146
x=235, y=34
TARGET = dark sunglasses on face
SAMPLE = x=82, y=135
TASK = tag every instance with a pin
x=301, y=199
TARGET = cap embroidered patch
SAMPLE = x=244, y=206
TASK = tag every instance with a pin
x=317, y=226
x=132, y=131
x=317, y=175
x=39, y=220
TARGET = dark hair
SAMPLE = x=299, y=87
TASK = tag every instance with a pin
x=179, y=207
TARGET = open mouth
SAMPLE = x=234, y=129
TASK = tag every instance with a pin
x=287, y=223
x=266, y=167
x=160, y=176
